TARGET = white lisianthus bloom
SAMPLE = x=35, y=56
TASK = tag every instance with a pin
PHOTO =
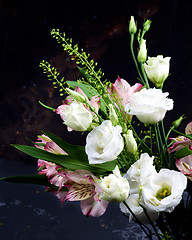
x=149, y=105
x=115, y=187
x=157, y=69
x=140, y=173
x=133, y=203
x=165, y=191
x=104, y=143
x=77, y=117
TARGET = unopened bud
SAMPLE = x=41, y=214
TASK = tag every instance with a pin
x=130, y=143
x=132, y=26
x=147, y=25
x=76, y=96
x=142, y=54
x=112, y=115
x=177, y=122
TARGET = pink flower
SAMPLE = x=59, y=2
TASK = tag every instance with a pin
x=188, y=129
x=49, y=168
x=124, y=91
x=83, y=186
x=185, y=166
x=179, y=143
x=182, y=141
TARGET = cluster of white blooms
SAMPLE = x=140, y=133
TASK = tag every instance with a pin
x=152, y=192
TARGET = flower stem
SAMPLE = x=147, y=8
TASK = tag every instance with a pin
x=145, y=76
x=149, y=235
x=134, y=58
x=157, y=140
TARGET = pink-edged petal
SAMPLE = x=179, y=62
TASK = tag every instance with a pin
x=124, y=91
x=54, y=148
x=79, y=90
x=79, y=176
x=93, y=208
x=60, y=110
x=60, y=194
x=179, y=143
x=79, y=192
x=95, y=102
x=57, y=181
x=185, y=165
x=132, y=90
x=188, y=129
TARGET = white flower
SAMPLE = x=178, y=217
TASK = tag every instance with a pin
x=77, y=117
x=134, y=205
x=149, y=105
x=157, y=69
x=115, y=187
x=104, y=143
x=130, y=143
x=140, y=173
x=165, y=191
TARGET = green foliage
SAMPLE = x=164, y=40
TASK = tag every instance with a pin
x=76, y=157
x=82, y=59
x=53, y=76
x=39, y=179
x=183, y=152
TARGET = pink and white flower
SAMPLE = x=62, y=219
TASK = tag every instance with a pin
x=49, y=168
x=185, y=166
x=77, y=115
x=181, y=141
x=123, y=90
x=85, y=187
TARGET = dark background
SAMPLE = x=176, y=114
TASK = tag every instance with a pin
x=101, y=29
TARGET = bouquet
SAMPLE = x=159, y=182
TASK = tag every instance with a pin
x=128, y=157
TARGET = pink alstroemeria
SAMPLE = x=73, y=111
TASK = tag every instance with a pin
x=123, y=90
x=179, y=143
x=185, y=166
x=83, y=186
x=182, y=141
x=49, y=168
x=94, y=101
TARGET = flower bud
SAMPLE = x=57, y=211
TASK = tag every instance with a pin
x=132, y=26
x=76, y=96
x=142, y=54
x=115, y=187
x=147, y=25
x=112, y=115
x=177, y=122
x=130, y=143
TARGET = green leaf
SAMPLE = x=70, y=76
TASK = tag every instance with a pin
x=78, y=152
x=75, y=151
x=89, y=91
x=39, y=179
x=183, y=152
x=45, y=106
x=66, y=161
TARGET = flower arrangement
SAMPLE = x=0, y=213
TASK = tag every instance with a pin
x=126, y=160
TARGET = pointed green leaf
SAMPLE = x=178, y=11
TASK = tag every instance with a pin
x=89, y=91
x=39, y=179
x=74, y=151
x=183, y=152
x=64, y=161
